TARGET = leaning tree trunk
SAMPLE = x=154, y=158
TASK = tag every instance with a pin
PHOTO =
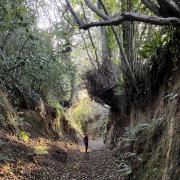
x=106, y=51
x=128, y=33
x=107, y=67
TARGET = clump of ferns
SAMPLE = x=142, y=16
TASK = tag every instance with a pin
x=144, y=131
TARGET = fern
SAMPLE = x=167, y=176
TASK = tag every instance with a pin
x=158, y=41
x=143, y=131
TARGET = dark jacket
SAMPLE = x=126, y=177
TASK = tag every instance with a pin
x=85, y=139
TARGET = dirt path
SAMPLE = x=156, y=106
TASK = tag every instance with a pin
x=97, y=164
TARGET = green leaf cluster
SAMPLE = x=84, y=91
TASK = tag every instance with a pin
x=157, y=42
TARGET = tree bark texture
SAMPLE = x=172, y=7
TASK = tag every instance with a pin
x=128, y=33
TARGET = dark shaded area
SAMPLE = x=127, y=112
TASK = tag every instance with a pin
x=68, y=132
x=100, y=84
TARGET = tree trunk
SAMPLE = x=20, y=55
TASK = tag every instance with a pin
x=106, y=52
x=128, y=33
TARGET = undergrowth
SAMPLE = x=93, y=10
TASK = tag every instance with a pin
x=151, y=150
x=88, y=116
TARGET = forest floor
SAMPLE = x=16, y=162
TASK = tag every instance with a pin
x=44, y=159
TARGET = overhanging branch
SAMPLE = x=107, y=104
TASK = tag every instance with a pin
x=119, y=19
x=96, y=10
x=105, y=16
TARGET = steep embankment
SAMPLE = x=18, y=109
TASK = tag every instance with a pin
x=38, y=158
x=160, y=149
x=150, y=132
x=41, y=146
x=41, y=120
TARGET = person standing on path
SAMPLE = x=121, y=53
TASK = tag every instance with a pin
x=86, y=140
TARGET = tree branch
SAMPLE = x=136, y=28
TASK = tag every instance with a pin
x=118, y=39
x=104, y=7
x=91, y=39
x=119, y=19
x=151, y=6
x=76, y=18
x=96, y=10
x=88, y=54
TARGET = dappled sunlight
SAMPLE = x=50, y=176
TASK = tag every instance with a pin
x=40, y=150
x=6, y=170
x=89, y=90
x=86, y=115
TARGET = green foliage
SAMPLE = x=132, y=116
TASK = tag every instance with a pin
x=32, y=64
x=111, y=41
x=87, y=115
x=120, y=86
x=80, y=114
x=132, y=133
x=59, y=111
x=158, y=41
x=14, y=14
x=145, y=130
x=29, y=62
x=111, y=5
